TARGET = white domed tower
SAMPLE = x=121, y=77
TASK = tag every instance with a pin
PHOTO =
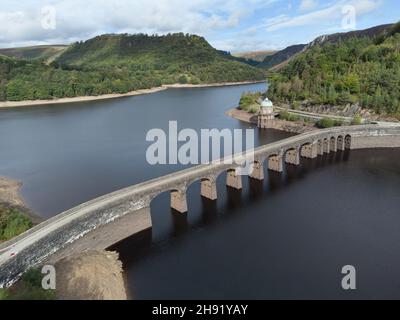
x=266, y=114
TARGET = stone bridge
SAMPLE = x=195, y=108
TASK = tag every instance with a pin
x=102, y=222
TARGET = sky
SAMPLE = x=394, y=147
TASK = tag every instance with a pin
x=232, y=25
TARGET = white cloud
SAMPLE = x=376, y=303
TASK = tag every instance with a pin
x=331, y=14
x=76, y=19
x=228, y=24
x=307, y=5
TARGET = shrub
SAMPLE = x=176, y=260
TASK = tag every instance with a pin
x=12, y=223
x=3, y=294
x=357, y=120
x=28, y=288
x=183, y=79
x=249, y=102
x=285, y=115
x=326, y=123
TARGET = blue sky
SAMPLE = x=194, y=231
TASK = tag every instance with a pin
x=233, y=25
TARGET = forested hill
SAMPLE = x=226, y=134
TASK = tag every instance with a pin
x=280, y=58
x=364, y=70
x=170, y=59
x=119, y=64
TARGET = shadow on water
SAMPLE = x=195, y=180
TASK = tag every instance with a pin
x=230, y=203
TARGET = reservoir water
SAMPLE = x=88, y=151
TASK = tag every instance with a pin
x=287, y=237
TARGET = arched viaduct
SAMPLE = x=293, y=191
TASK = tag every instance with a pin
x=104, y=221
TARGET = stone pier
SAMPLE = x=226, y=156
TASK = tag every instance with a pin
x=333, y=146
x=327, y=146
x=178, y=201
x=340, y=143
x=320, y=148
x=310, y=151
x=258, y=171
x=234, y=180
x=275, y=163
x=209, y=189
x=293, y=157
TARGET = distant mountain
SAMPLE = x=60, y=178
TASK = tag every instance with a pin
x=119, y=64
x=229, y=56
x=361, y=67
x=35, y=52
x=258, y=56
x=281, y=56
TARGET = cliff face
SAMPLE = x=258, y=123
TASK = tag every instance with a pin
x=337, y=37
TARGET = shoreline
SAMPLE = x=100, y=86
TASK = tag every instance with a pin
x=29, y=103
x=10, y=196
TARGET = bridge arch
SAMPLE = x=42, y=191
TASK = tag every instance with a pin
x=292, y=155
x=178, y=199
x=208, y=186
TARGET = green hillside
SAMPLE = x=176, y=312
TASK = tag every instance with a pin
x=119, y=64
x=363, y=70
x=167, y=59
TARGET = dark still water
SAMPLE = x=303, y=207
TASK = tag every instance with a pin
x=288, y=237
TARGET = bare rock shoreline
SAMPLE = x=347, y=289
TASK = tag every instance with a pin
x=10, y=196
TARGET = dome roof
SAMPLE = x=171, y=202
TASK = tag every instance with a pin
x=267, y=103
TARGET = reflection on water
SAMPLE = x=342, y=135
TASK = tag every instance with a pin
x=286, y=237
